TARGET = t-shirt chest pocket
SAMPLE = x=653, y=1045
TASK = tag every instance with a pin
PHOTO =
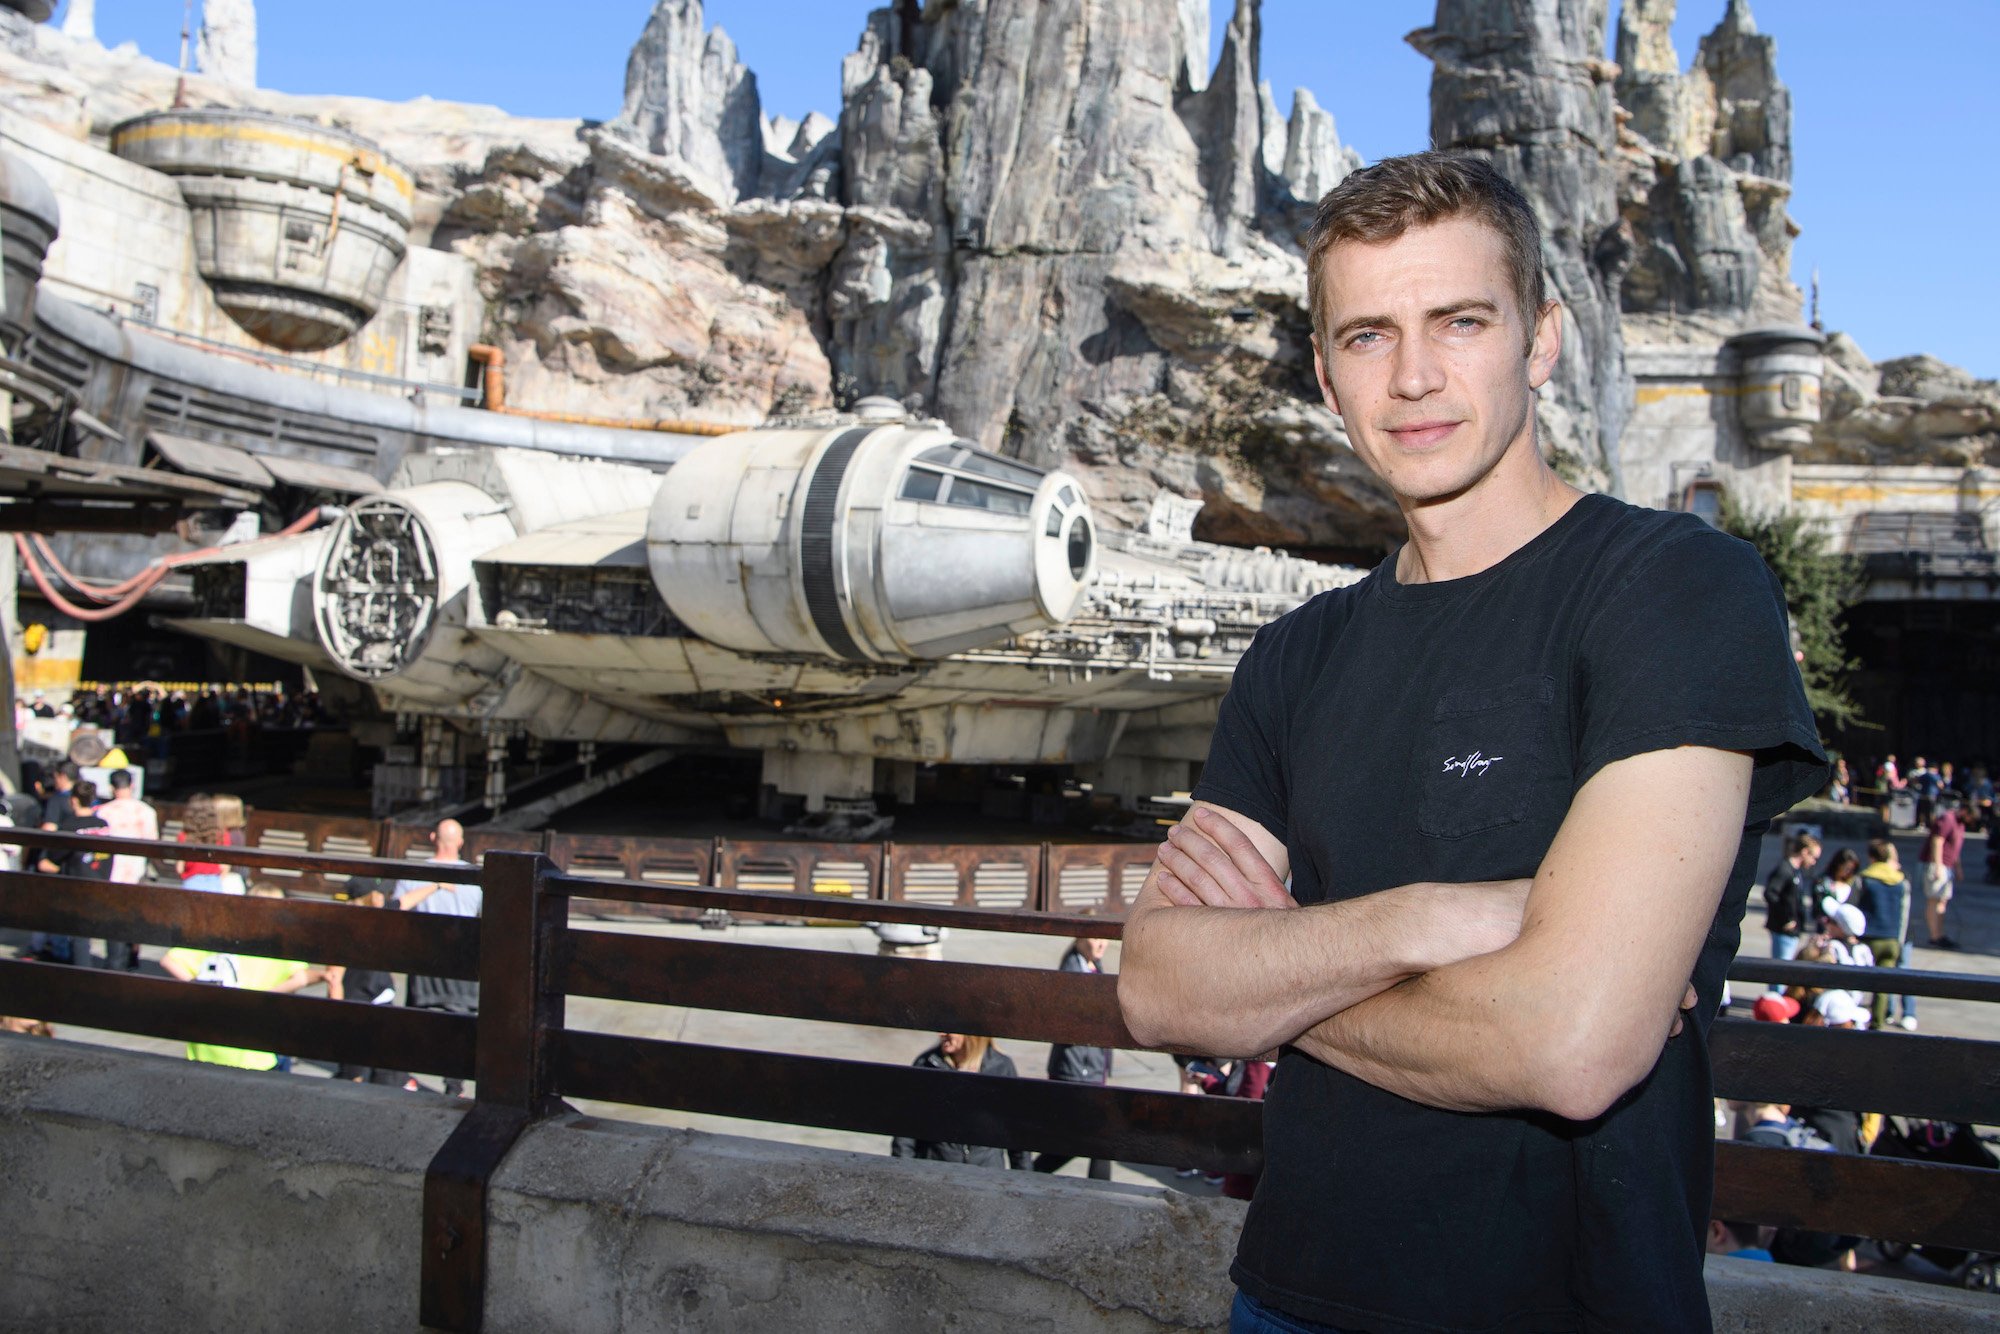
x=1485, y=757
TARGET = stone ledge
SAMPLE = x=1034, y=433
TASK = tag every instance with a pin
x=139, y=1192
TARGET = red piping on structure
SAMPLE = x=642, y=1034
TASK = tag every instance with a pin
x=126, y=593
x=493, y=381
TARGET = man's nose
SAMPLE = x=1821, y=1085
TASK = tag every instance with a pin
x=1418, y=371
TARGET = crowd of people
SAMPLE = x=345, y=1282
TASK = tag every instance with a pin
x=1931, y=785
x=138, y=720
x=1859, y=910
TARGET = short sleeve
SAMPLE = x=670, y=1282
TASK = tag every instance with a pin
x=1695, y=649
x=1245, y=771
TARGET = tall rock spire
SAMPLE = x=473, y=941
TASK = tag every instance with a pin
x=1528, y=87
x=689, y=99
x=227, y=49
x=1708, y=178
x=1226, y=120
x=80, y=20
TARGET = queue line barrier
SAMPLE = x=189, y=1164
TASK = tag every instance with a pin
x=529, y=954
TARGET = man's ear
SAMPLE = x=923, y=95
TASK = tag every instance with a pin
x=1546, y=346
x=1326, y=394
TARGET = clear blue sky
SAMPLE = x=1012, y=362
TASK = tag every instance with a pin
x=1894, y=115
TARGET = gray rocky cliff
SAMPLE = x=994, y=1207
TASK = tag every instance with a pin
x=80, y=20
x=1526, y=85
x=1902, y=412
x=689, y=99
x=1058, y=240
x=226, y=48
x=1707, y=158
x=1053, y=225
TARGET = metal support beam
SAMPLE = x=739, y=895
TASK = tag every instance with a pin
x=535, y=813
x=57, y=516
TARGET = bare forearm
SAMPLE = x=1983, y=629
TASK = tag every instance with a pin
x=1454, y=1038
x=1236, y=982
x=1499, y=1032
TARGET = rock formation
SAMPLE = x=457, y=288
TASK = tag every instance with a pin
x=1708, y=167
x=1528, y=87
x=1910, y=410
x=227, y=47
x=690, y=100
x=1052, y=224
x=80, y=20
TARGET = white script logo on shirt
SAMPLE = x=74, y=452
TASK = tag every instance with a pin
x=1475, y=763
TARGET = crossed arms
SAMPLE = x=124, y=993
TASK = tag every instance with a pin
x=1555, y=993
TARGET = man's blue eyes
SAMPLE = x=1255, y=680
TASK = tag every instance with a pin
x=1461, y=324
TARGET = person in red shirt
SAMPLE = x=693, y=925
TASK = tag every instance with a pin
x=1942, y=845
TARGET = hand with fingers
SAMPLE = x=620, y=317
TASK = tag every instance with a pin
x=1207, y=861
x=1688, y=1002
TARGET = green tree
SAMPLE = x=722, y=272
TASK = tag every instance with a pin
x=1820, y=585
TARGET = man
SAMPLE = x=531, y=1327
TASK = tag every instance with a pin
x=70, y=813
x=451, y=994
x=1079, y=1065
x=1926, y=783
x=55, y=790
x=1548, y=717
x=125, y=816
x=1787, y=896
x=1943, y=842
x=368, y=986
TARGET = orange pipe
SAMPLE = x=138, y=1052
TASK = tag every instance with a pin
x=128, y=592
x=493, y=383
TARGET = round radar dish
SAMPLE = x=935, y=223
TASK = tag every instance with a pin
x=376, y=598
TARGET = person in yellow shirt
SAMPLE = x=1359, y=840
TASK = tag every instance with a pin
x=238, y=970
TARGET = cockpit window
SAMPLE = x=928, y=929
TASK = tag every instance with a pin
x=959, y=474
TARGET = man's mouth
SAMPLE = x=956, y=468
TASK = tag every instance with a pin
x=1421, y=435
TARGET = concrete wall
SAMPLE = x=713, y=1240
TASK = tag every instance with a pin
x=125, y=227
x=1685, y=425
x=1833, y=494
x=143, y=1193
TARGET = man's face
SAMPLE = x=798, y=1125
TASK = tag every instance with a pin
x=1091, y=947
x=1423, y=357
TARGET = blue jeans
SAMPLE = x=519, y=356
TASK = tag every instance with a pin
x=1784, y=945
x=1250, y=1316
x=1909, y=1002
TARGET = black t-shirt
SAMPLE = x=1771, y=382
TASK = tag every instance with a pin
x=1392, y=733
x=76, y=861
x=1782, y=899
